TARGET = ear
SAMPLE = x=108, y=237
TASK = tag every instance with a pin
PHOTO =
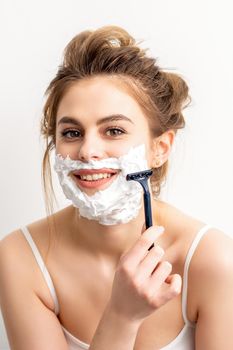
x=162, y=146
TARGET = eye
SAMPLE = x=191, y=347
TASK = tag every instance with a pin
x=115, y=132
x=70, y=134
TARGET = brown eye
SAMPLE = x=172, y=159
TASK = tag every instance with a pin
x=115, y=132
x=70, y=134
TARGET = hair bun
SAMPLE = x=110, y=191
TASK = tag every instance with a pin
x=88, y=43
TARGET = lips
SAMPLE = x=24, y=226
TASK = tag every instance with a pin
x=94, y=171
x=98, y=183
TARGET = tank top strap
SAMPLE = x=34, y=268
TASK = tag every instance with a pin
x=42, y=266
x=190, y=253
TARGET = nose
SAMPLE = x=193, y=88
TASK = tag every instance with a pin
x=91, y=148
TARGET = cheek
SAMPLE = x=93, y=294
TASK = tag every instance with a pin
x=66, y=149
x=118, y=151
x=124, y=150
x=121, y=149
x=149, y=156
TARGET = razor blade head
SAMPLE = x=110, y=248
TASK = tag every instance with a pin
x=140, y=175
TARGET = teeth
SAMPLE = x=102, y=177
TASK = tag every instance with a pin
x=95, y=176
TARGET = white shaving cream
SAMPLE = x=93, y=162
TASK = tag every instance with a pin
x=117, y=204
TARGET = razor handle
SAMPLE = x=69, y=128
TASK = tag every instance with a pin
x=148, y=214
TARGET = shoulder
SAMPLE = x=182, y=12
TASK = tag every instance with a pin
x=10, y=256
x=17, y=260
x=26, y=313
x=18, y=264
x=211, y=267
x=211, y=289
x=13, y=249
x=14, y=243
x=213, y=255
x=42, y=231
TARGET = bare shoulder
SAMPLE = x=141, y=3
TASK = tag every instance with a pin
x=17, y=259
x=16, y=254
x=26, y=309
x=210, y=275
x=213, y=255
x=211, y=287
x=42, y=232
x=15, y=245
x=14, y=251
x=215, y=248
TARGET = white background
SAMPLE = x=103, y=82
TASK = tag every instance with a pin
x=190, y=37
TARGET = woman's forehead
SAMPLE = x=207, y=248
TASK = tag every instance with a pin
x=100, y=97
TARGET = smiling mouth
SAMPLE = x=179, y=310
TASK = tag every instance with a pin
x=94, y=178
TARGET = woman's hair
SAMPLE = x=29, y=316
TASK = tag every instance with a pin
x=111, y=51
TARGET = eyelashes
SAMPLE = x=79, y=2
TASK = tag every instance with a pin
x=76, y=134
x=117, y=131
x=65, y=133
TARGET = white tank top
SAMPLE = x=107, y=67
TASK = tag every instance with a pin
x=183, y=341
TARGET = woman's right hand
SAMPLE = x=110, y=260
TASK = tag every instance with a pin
x=142, y=282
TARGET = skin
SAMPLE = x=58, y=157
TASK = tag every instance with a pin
x=84, y=103
x=91, y=262
x=107, y=244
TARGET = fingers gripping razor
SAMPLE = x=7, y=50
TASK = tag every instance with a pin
x=142, y=177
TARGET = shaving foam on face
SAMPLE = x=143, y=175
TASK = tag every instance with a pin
x=117, y=204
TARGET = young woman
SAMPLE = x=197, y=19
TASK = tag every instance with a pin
x=85, y=276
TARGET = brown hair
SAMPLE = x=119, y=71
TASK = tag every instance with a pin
x=111, y=51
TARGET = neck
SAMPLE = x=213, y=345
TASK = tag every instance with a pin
x=109, y=242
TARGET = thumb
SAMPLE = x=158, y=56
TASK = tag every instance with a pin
x=143, y=228
x=159, y=229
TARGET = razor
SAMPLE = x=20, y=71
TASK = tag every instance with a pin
x=142, y=177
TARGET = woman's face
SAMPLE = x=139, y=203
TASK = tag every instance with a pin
x=98, y=119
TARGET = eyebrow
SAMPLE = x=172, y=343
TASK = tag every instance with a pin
x=110, y=118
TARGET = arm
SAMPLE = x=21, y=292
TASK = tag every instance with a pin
x=114, y=332
x=213, y=273
x=136, y=293
x=29, y=323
